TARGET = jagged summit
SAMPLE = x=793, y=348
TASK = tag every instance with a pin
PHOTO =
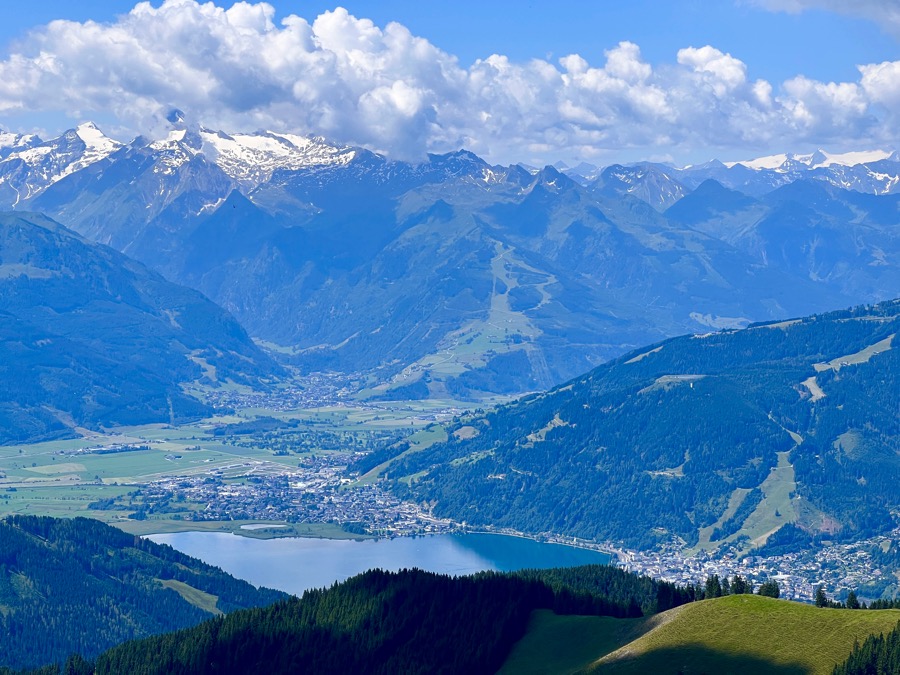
x=301, y=237
x=711, y=164
x=12, y=142
x=655, y=184
x=94, y=139
x=248, y=161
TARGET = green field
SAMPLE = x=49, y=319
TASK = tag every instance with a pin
x=60, y=501
x=775, y=510
x=733, y=634
x=422, y=439
x=862, y=356
x=62, y=478
x=502, y=330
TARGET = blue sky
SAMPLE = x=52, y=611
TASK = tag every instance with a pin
x=775, y=75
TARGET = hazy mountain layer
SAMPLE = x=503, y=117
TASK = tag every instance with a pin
x=452, y=276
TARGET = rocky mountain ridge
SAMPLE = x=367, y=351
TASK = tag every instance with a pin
x=456, y=277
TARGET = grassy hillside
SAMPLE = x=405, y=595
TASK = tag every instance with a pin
x=567, y=644
x=738, y=633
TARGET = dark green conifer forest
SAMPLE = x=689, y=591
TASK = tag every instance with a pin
x=392, y=622
x=80, y=586
x=877, y=655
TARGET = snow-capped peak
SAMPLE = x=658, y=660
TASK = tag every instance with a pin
x=47, y=162
x=97, y=146
x=251, y=159
x=815, y=160
x=854, y=158
x=95, y=140
x=178, y=148
x=174, y=138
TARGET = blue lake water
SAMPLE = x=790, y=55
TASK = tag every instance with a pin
x=297, y=564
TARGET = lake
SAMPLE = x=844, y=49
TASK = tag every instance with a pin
x=297, y=564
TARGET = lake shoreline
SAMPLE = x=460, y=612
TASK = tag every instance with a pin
x=282, y=530
x=256, y=529
x=297, y=564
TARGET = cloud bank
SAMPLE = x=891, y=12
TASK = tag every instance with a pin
x=382, y=87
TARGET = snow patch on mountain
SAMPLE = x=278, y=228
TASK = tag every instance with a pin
x=97, y=147
x=40, y=164
x=175, y=150
x=815, y=160
x=173, y=141
x=10, y=142
x=95, y=141
x=654, y=184
x=251, y=159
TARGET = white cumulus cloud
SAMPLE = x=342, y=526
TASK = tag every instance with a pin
x=382, y=87
x=722, y=72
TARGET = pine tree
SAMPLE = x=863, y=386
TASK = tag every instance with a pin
x=770, y=589
x=713, y=587
x=821, y=598
x=738, y=585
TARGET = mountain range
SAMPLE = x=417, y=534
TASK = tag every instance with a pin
x=129, y=272
x=456, y=277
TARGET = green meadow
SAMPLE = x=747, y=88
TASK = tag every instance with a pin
x=732, y=634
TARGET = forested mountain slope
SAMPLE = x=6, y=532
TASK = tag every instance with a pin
x=582, y=619
x=723, y=437
x=89, y=337
x=79, y=586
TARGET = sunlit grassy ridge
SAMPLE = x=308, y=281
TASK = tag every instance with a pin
x=739, y=633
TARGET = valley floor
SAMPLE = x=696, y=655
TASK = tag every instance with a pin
x=160, y=478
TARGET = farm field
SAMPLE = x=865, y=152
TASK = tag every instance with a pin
x=62, y=478
x=253, y=529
